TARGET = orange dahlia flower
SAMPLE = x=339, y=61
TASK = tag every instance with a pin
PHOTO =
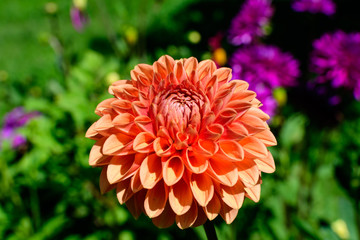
x=181, y=143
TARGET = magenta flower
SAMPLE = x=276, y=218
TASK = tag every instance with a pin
x=327, y=7
x=12, y=121
x=78, y=18
x=336, y=59
x=249, y=23
x=265, y=68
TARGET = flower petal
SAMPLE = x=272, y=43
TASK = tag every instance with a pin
x=188, y=219
x=230, y=151
x=165, y=219
x=92, y=133
x=224, y=172
x=253, y=192
x=248, y=172
x=143, y=142
x=173, y=170
x=202, y=188
x=254, y=148
x=155, y=200
x=195, y=163
x=135, y=204
x=227, y=213
x=266, y=137
x=150, y=171
x=266, y=164
x=96, y=158
x=162, y=147
x=117, y=144
x=212, y=209
x=233, y=196
x=105, y=186
x=180, y=197
x=123, y=191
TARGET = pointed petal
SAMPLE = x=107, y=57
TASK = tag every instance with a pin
x=165, y=219
x=201, y=218
x=224, y=75
x=266, y=137
x=233, y=196
x=254, y=148
x=136, y=203
x=212, y=132
x=253, y=192
x=230, y=151
x=105, y=186
x=116, y=144
x=162, y=147
x=92, y=133
x=227, y=213
x=143, y=142
x=123, y=191
x=194, y=163
x=202, y=188
x=266, y=164
x=205, y=148
x=224, y=172
x=190, y=65
x=234, y=131
x=155, y=200
x=96, y=158
x=248, y=172
x=150, y=171
x=213, y=208
x=180, y=197
x=188, y=219
x=173, y=170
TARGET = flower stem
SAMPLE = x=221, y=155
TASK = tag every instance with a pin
x=210, y=230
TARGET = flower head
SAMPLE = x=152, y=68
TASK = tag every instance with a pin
x=12, y=121
x=265, y=68
x=181, y=143
x=336, y=58
x=250, y=22
x=78, y=18
x=315, y=6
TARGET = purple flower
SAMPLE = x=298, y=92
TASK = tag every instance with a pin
x=336, y=58
x=78, y=18
x=12, y=121
x=314, y=6
x=265, y=68
x=249, y=23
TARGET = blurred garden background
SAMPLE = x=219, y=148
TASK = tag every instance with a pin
x=58, y=58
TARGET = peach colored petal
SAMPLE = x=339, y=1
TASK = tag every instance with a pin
x=104, y=123
x=226, y=116
x=136, y=182
x=227, y=213
x=118, y=144
x=212, y=209
x=125, y=91
x=196, y=164
x=205, y=148
x=105, y=186
x=150, y=171
x=202, y=188
x=180, y=197
x=224, y=75
x=257, y=112
x=181, y=141
x=233, y=196
x=144, y=123
x=190, y=65
x=188, y=219
x=118, y=167
x=267, y=138
x=96, y=158
x=212, y=132
x=235, y=131
x=266, y=164
x=229, y=150
x=135, y=204
x=145, y=70
x=121, y=106
x=240, y=106
x=125, y=123
x=248, y=172
x=155, y=200
x=92, y=133
x=224, y=172
x=254, y=148
x=253, y=192
x=143, y=142
x=162, y=147
x=140, y=108
x=173, y=170
x=165, y=219
x=104, y=106
x=253, y=124
x=123, y=191
x=160, y=69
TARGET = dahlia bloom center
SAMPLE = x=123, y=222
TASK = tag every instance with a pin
x=178, y=108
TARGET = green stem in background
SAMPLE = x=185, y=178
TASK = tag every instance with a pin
x=210, y=230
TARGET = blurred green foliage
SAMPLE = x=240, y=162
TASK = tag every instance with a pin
x=48, y=191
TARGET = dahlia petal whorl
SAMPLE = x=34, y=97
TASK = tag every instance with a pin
x=181, y=143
